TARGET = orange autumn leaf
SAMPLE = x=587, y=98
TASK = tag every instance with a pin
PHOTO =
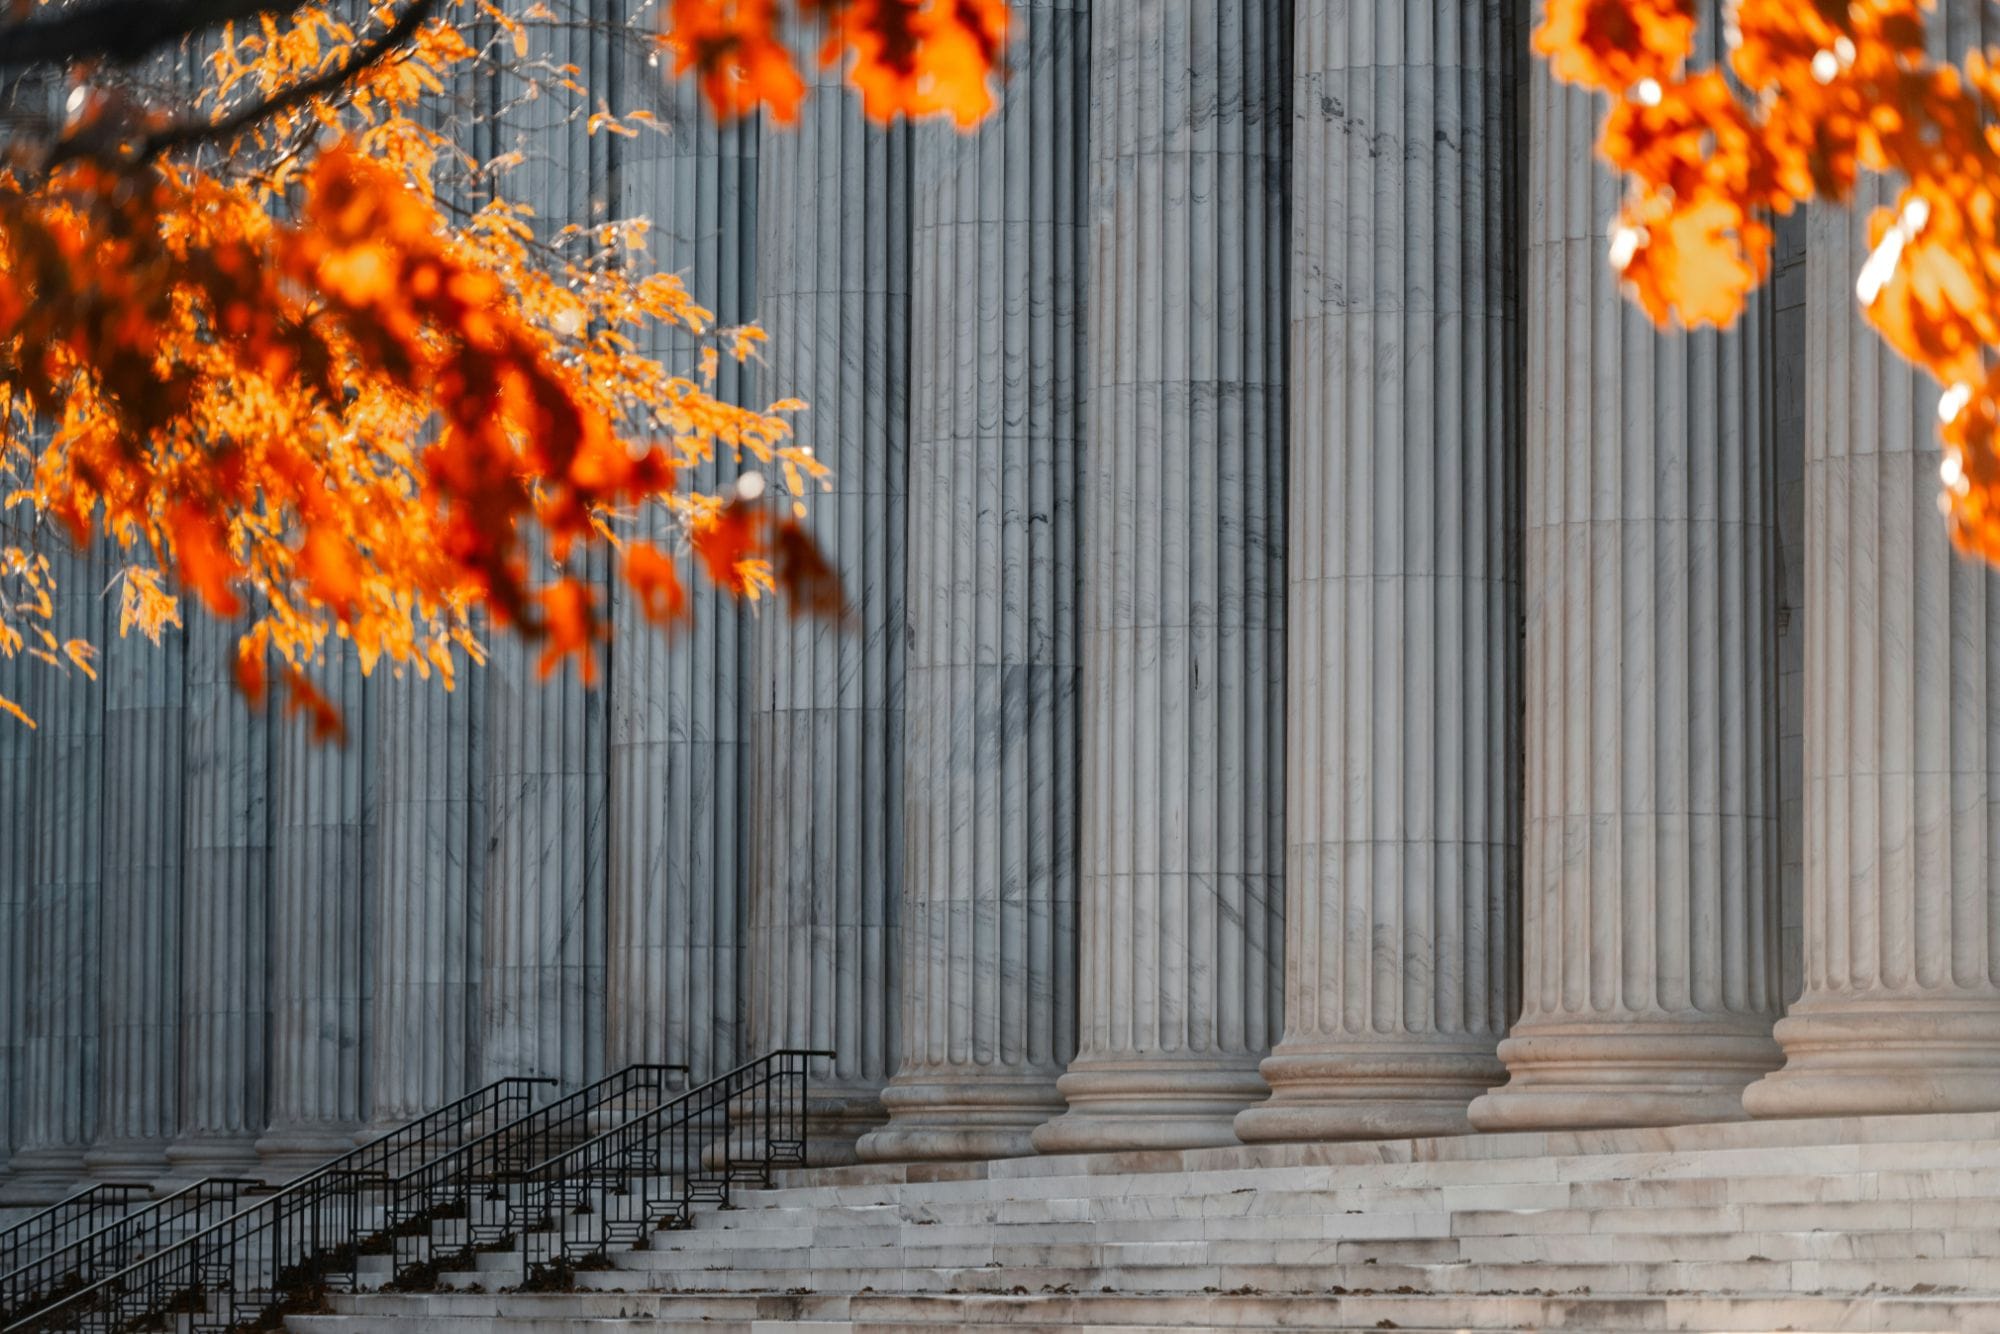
x=726, y=540
x=304, y=700
x=251, y=679
x=651, y=574
x=205, y=565
x=906, y=58
x=1819, y=94
x=569, y=613
x=805, y=576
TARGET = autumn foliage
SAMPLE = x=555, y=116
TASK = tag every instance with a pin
x=1812, y=94
x=254, y=349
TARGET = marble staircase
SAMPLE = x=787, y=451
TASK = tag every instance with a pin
x=1843, y=1224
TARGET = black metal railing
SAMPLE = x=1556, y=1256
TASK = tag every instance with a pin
x=647, y=1174
x=281, y=1252
x=477, y=1183
x=67, y=1220
x=141, y=1231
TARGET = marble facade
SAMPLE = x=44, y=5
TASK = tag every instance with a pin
x=1318, y=666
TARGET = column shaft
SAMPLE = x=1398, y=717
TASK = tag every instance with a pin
x=989, y=907
x=145, y=766
x=320, y=890
x=542, y=991
x=679, y=904
x=1183, y=610
x=826, y=716
x=425, y=930
x=1402, y=816
x=17, y=862
x=542, y=986
x=1901, y=1005
x=62, y=1044
x=227, y=869
x=1650, y=968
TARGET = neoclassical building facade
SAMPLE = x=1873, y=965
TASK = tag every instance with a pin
x=1321, y=666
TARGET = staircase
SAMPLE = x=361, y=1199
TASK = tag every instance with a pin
x=1847, y=1224
x=177, y=1269
x=139, y=1232
x=66, y=1221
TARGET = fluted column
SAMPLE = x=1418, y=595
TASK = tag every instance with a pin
x=1402, y=817
x=145, y=765
x=826, y=715
x=425, y=932
x=320, y=890
x=1901, y=1007
x=679, y=906
x=989, y=889
x=542, y=991
x=62, y=1043
x=1183, y=611
x=542, y=968
x=1649, y=973
x=17, y=861
x=226, y=912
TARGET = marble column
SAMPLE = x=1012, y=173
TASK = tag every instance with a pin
x=1402, y=818
x=425, y=932
x=1901, y=1005
x=226, y=867
x=679, y=778
x=826, y=713
x=541, y=990
x=1183, y=612
x=61, y=1030
x=990, y=802
x=1650, y=970
x=542, y=987
x=320, y=890
x=145, y=765
x=17, y=860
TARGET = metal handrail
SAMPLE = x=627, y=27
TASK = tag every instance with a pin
x=650, y=1172
x=277, y=1252
x=463, y=1182
x=34, y=1235
x=427, y=1130
x=112, y=1247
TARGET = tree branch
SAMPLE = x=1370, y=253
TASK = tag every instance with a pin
x=120, y=30
x=189, y=133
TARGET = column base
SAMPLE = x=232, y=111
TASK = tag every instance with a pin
x=127, y=1160
x=955, y=1113
x=1323, y=1090
x=196, y=1156
x=836, y=1119
x=1609, y=1074
x=1161, y=1103
x=44, y=1176
x=290, y=1152
x=1891, y=1055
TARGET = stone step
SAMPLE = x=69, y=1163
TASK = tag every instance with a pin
x=1302, y=1270
x=1220, y=1245
x=1830, y=1159
x=1186, y=1314
x=1705, y=1139
x=734, y=1227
